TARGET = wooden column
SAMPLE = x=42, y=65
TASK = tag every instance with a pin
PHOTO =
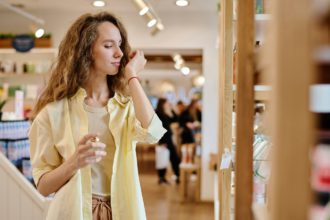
x=226, y=102
x=292, y=122
x=245, y=111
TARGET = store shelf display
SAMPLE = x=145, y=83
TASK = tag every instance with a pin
x=320, y=106
x=28, y=72
x=14, y=144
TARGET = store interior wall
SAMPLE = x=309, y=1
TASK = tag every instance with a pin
x=191, y=30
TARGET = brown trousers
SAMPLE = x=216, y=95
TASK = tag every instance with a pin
x=101, y=208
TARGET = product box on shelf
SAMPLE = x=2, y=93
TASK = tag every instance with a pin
x=15, y=145
x=6, y=40
x=6, y=43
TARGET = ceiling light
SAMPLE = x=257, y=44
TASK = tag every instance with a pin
x=143, y=11
x=177, y=66
x=98, y=3
x=152, y=22
x=160, y=26
x=178, y=61
x=185, y=70
x=177, y=57
x=182, y=3
x=147, y=11
x=39, y=33
x=199, y=81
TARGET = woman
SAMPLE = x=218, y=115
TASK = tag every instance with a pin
x=190, y=120
x=87, y=122
x=167, y=116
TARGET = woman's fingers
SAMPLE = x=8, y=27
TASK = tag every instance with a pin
x=90, y=145
x=87, y=137
x=95, y=153
x=92, y=160
x=92, y=151
x=137, y=53
x=92, y=157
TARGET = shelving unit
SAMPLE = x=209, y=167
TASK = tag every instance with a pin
x=39, y=59
x=244, y=110
x=226, y=103
x=259, y=17
x=261, y=92
x=245, y=93
x=291, y=73
x=15, y=75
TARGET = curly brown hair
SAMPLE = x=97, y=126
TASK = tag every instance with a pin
x=74, y=61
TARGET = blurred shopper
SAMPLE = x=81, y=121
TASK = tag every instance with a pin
x=190, y=119
x=190, y=123
x=168, y=117
x=180, y=107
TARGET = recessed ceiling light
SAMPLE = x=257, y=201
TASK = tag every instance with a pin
x=98, y=3
x=143, y=11
x=152, y=22
x=182, y=3
x=185, y=70
x=160, y=26
x=39, y=33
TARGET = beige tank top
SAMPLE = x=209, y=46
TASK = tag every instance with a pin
x=98, y=121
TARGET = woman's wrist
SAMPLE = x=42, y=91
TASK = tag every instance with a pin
x=132, y=78
x=71, y=166
x=129, y=73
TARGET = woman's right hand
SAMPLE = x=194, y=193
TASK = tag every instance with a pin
x=88, y=152
x=135, y=65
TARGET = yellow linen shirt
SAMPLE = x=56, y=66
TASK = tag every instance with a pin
x=54, y=136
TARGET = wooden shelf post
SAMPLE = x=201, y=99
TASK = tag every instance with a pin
x=226, y=103
x=292, y=126
x=245, y=111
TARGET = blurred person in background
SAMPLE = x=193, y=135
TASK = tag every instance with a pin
x=168, y=117
x=190, y=121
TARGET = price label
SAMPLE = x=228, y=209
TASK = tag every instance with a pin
x=225, y=161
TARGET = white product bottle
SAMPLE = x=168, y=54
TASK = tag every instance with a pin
x=19, y=105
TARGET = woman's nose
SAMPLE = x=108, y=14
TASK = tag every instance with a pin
x=118, y=53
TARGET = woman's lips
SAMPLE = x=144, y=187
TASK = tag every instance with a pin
x=117, y=64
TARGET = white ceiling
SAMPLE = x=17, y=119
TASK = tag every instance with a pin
x=113, y=5
x=166, y=6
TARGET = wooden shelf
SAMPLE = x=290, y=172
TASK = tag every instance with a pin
x=259, y=17
x=33, y=51
x=257, y=88
x=12, y=98
x=261, y=92
x=322, y=54
x=260, y=211
x=13, y=75
x=262, y=17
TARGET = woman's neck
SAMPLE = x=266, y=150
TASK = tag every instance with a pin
x=97, y=92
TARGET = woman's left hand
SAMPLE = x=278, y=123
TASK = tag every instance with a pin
x=135, y=65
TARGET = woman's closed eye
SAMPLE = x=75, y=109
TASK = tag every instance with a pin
x=108, y=46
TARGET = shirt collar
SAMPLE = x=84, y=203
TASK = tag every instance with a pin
x=119, y=98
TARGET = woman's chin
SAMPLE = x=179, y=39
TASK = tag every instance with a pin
x=112, y=73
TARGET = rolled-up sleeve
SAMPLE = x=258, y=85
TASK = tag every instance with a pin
x=151, y=134
x=44, y=155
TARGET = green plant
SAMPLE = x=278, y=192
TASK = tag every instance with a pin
x=47, y=35
x=2, y=103
x=10, y=35
x=6, y=35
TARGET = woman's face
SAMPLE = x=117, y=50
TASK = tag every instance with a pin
x=167, y=106
x=106, y=50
